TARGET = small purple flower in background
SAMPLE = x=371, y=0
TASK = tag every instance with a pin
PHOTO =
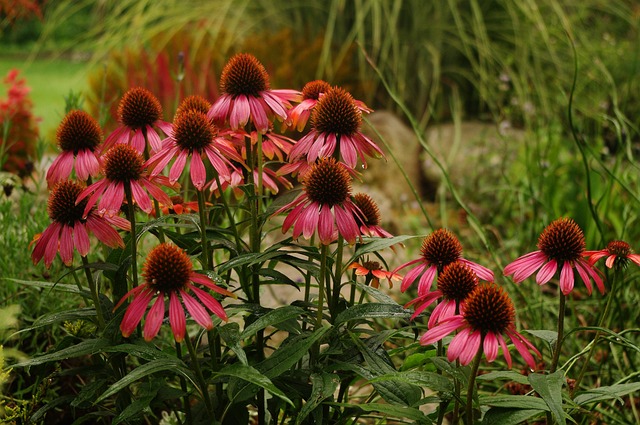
x=618, y=254
x=79, y=136
x=70, y=226
x=560, y=245
x=168, y=272
x=246, y=96
x=487, y=315
x=139, y=112
x=438, y=249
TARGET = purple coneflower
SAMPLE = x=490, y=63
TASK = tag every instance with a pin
x=618, y=254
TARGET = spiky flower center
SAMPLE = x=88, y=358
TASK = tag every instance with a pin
x=196, y=103
x=457, y=281
x=193, y=131
x=77, y=131
x=139, y=108
x=244, y=75
x=312, y=89
x=122, y=163
x=562, y=240
x=489, y=309
x=62, y=206
x=372, y=265
x=167, y=268
x=328, y=183
x=369, y=209
x=336, y=113
x=619, y=248
x=441, y=248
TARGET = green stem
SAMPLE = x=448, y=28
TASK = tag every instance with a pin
x=183, y=386
x=472, y=384
x=558, y=345
x=602, y=322
x=74, y=272
x=134, y=239
x=156, y=206
x=337, y=278
x=206, y=260
x=324, y=249
x=196, y=368
x=94, y=292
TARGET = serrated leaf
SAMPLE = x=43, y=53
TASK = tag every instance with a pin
x=606, y=393
x=253, y=376
x=83, y=348
x=504, y=375
x=272, y=318
x=514, y=402
x=373, y=311
x=502, y=416
x=391, y=410
x=140, y=372
x=549, y=387
x=323, y=386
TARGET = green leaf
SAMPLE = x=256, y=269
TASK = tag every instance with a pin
x=230, y=333
x=134, y=409
x=91, y=346
x=403, y=412
x=324, y=386
x=504, y=375
x=63, y=287
x=424, y=379
x=253, y=376
x=380, y=296
x=549, y=387
x=50, y=318
x=514, y=402
x=143, y=351
x=378, y=244
x=503, y=416
x=606, y=393
x=549, y=336
x=140, y=372
x=272, y=318
x=373, y=311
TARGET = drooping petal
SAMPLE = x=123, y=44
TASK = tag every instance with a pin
x=458, y=344
x=490, y=346
x=198, y=172
x=153, y=322
x=470, y=349
x=137, y=141
x=582, y=272
x=444, y=310
x=196, y=310
x=412, y=275
x=211, y=303
x=177, y=319
x=426, y=280
x=547, y=272
x=423, y=302
x=204, y=280
x=346, y=224
x=258, y=115
x=567, y=279
x=61, y=168
x=240, y=112
x=104, y=232
x=505, y=350
x=135, y=311
x=443, y=329
x=112, y=198
x=482, y=272
x=525, y=266
x=326, y=225
x=178, y=166
x=518, y=342
x=140, y=196
x=51, y=249
x=81, y=239
x=66, y=244
x=153, y=138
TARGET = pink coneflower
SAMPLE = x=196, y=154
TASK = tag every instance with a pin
x=618, y=255
x=139, y=112
x=336, y=125
x=311, y=92
x=561, y=244
x=194, y=135
x=123, y=167
x=246, y=96
x=70, y=227
x=487, y=315
x=455, y=284
x=369, y=221
x=168, y=272
x=438, y=249
x=373, y=272
x=78, y=136
x=271, y=181
x=324, y=205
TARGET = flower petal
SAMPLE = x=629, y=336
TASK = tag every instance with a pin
x=154, y=318
x=177, y=319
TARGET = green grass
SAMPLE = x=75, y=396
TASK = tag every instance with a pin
x=50, y=80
